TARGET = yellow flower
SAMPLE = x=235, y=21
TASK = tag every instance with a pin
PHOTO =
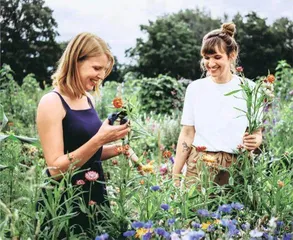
x=140, y=232
x=205, y=226
x=148, y=168
x=217, y=221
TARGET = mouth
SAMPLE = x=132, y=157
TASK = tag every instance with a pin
x=93, y=81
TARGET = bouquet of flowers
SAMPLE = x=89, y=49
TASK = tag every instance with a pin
x=257, y=97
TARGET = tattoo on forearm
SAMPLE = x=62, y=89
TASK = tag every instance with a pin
x=185, y=147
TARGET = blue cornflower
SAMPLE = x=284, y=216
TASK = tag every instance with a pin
x=104, y=236
x=196, y=225
x=172, y=160
x=245, y=226
x=237, y=206
x=233, y=231
x=166, y=235
x=136, y=225
x=179, y=231
x=155, y=188
x=171, y=221
x=160, y=231
x=148, y=224
x=225, y=208
x=288, y=236
x=216, y=215
x=280, y=224
x=147, y=236
x=129, y=233
x=203, y=212
x=211, y=228
x=196, y=235
x=165, y=206
x=225, y=222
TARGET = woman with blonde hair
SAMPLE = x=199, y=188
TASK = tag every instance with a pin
x=70, y=129
x=212, y=129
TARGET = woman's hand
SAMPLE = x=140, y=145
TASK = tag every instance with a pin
x=109, y=133
x=252, y=141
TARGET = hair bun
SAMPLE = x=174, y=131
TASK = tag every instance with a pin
x=228, y=28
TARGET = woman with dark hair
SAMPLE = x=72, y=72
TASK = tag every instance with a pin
x=212, y=129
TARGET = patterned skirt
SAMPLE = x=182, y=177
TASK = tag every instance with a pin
x=213, y=162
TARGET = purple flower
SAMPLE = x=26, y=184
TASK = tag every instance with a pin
x=165, y=206
x=171, y=221
x=160, y=231
x=147, y=236
x=172, y=160
x=136, y=225
x=211, y=228
x=203, y=212
x=129, y=234
x=196, y=235
x=155, y=188
x=288, y=236
x=215, y=215
x=196, y=225
x=104, y=236
x=245, y=226
x=237, y=206
x=148, y=224
x=225, y=208
x=233, y=231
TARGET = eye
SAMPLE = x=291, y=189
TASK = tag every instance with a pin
x=206, y=57
x=218, y=57
x=97, y=68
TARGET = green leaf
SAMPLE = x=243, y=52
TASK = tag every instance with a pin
x=233, y=92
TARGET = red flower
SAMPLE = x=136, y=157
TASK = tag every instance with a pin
x=200, y=148
x=117, y=102
x=80, y=182
x=239, y=69
x=91, y=176
x=91, y=202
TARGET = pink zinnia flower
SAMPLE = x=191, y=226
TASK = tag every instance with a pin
x=80, y=182
x=91, y=176
x=91, y=202
x=163, y=169
x=239, y=69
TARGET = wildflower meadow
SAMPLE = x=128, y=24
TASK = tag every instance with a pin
x=144, y=202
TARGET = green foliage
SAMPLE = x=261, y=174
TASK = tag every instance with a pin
x=161, y=95
x=173, y=45
x=262, y=45
x=28, y=32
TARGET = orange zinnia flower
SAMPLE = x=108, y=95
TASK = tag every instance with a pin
x=167, y=154
x=270, y=78
x=117, y=102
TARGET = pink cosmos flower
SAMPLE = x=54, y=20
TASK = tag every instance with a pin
x=91, y=176
x=80, y=182
x=91, y=202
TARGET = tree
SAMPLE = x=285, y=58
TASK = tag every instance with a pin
x=173, y=45
x=262, y=46
x=28, y=33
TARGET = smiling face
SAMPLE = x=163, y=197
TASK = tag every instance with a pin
x=218, y=64
x=92, y=70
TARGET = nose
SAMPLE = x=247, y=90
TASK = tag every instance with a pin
x=211, y=63
x=101, y=74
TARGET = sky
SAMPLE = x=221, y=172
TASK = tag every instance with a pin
x=118, y=21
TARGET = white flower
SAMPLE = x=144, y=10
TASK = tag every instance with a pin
x=272, y=222
x=255, y=233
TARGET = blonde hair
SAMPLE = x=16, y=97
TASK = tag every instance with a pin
x=83, y=46
x=223, y=39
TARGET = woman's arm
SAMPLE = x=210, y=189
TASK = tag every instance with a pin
x=49, y=123
x=183, y=149
x=253, y=141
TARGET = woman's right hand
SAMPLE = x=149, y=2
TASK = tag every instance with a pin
x=110, y=133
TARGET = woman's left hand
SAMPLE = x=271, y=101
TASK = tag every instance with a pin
x=252, y=141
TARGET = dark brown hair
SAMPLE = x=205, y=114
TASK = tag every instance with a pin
x=223, y=39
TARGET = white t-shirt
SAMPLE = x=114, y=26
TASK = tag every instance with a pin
x=218, y=125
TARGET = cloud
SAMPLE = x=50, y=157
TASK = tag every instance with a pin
x=117, y=21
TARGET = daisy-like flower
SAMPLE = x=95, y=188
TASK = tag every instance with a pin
x=148, y=168
x=91, y=176
x=80, y=182
x=117, y=102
